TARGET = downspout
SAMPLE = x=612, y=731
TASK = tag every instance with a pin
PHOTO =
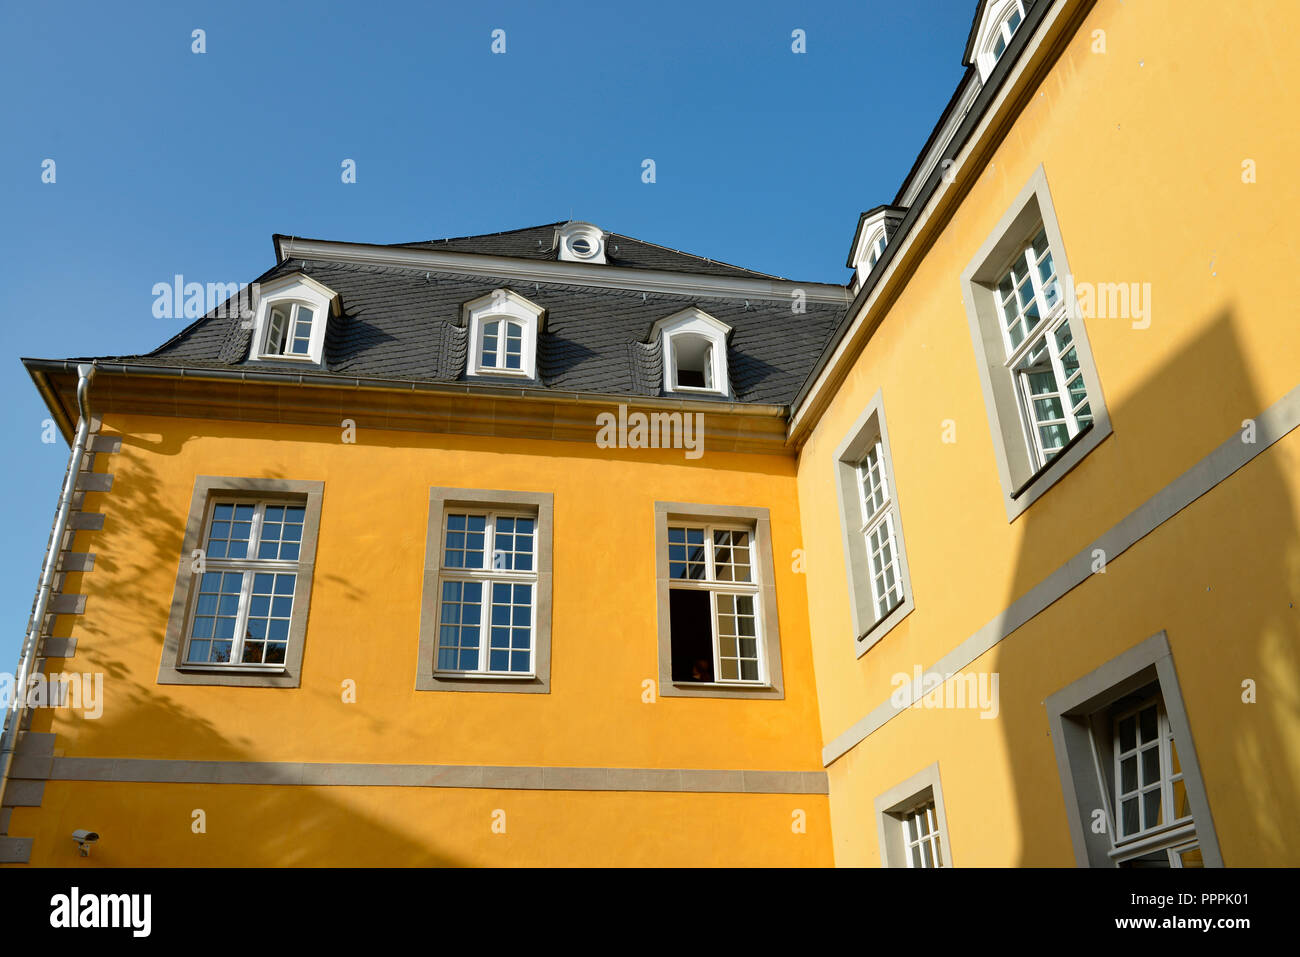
x=18, y=706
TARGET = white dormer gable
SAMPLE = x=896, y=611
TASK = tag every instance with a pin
x=998, y=21
x=870, y=245
x=694, y=348
x=580, y=243
x=503, y=328
x=290, y=317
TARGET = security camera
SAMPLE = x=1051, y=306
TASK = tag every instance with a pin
x=84, y=839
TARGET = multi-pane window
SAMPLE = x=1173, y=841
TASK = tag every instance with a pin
x=1002, y=36
x=1149, y=788
x=877, y=250
x=244, y=605
x=878, y=529
x=714, y=604
x=924, y=848
x=503, y=346
x=1040, y=350
x=288, y=330
x=487, y=593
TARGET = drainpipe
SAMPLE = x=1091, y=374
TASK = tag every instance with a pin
x=18, y=707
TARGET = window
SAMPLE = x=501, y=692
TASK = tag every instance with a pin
x=886, y=585
x=718, y=632
x=912, y=825
x=1001, y=20
x=921, y=831
x=288, y=331
x=503, y=345
x=488, y=594
x=1124, y=750
x=875, y=559
x=1041, y=351
x=877, y=250
x=485, y=622
x=713, y=604
x=1044, y=401
x=245, y=598
x=290, y=319
x=239, y=609
x=694, y=352
x=875, y=227
x=580, y=242
x=504, y=327
x=692, y=362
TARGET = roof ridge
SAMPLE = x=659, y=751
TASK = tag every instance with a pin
x=500, y=232
x=682, y=252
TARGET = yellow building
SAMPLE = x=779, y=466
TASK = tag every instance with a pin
x=556, y=547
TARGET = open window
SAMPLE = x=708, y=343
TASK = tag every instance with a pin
x=718, y=633
x=1041, y=389
x=694, y=352
x=291, y=317
x=503, y=330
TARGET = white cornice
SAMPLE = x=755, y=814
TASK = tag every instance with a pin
x=578, y=274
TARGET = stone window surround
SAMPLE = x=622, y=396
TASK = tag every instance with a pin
x=666, y=512
x=1022, y=484
x=894, y=803
x=207, y=489
x=867, y=630
x=440, y=499
x=1070, y=713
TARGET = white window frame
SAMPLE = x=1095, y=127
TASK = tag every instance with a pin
x=871, y=617
x=502, y=305
x=931, y=841
x=292, y=292
x=1054, y=315
x=694, y=323
x=580, y=242
x=1016, y=454
x=488, y=576
x=1175, y=835
x=1081, y=719
x=896, y=811
x=716, y=587
x=997, y=20
x=876, y=519
x=248, y=567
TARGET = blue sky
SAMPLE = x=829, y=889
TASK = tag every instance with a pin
x=168, y=161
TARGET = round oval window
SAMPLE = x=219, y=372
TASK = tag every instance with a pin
x=582, y=246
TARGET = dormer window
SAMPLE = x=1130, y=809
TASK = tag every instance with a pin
x=874, y=230
x=1001, y=20
x=692, y=362
x=503, y=345
x=580, y=242
x=290, y=318
x=877, y=249
x=694, y=352
x=503, y=328
x=288, y=331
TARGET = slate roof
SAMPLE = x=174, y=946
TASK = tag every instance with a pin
x=537, y=242
x=404, y=323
